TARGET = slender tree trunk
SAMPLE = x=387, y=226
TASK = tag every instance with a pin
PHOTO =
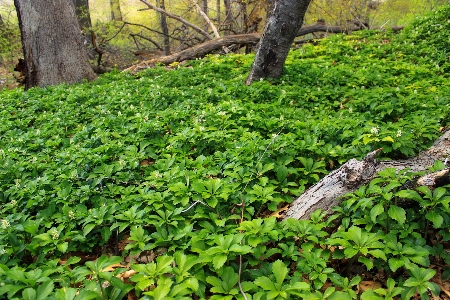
x=116, y=13
x=228, y=17
x=205, y=6
x=83, y=13
x=164, y=27
x=52, y=43
x=279, y=33
x=218, y=13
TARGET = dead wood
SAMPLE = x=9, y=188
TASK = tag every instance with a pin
x=199, y=51
x=350, y=176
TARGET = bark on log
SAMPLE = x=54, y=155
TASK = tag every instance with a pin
x=201, y=50
x=349, y=177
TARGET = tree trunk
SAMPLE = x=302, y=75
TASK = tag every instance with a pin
x=52, y=43
x=228, y=24
x=83, y=13
x=205, y=6
x=164, y=27
x=349, y=177
x=279, y=33
x=116, y=13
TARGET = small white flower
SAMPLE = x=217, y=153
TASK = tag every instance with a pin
x=71, y=215
x=2, y=251
x=119, y=113
x=13, y=203
x=5, y=223
x=54, y=233
x=17, y=183
x=374, y=130
x=399, y=133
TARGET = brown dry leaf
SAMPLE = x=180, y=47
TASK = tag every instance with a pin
x=111, y=268
x=443, y=289
x=369, y=285
x=126, y=274
x=279, y=214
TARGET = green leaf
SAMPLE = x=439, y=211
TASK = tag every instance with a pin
x=435, y=218
x=371, y=295
x=88, y=228
x=376, y=211
x=395, y=264
x=219, y=260
x=397, y=213
x=66, y=293
x=280, y=271
x=44, y=289
x=29, y=294
x=409, y=194
x=265, y=283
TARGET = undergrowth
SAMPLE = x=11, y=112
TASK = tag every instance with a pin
x=161, y=185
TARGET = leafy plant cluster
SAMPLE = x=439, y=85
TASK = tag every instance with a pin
x=161, y=184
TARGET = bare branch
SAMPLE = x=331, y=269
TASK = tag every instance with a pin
x=178, y=18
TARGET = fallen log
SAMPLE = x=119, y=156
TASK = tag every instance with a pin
x=199, y=51
x=350, y=176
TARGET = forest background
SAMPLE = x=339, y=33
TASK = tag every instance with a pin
x=128, y=32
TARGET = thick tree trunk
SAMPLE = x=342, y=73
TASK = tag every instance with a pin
x=279, y=33
x=83, y=14
x=349, y=177
x=52, y=43
x=116, y=13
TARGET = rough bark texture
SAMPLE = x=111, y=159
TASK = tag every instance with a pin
x=164, y=27
x=52, y=43
x=350, y=176
x=279, y=33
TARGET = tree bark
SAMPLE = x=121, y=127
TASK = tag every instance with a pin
x=279, y=33
x=52, y=43
x=228, y=24
x=83, y=13
x=164, y=27
x=116, y=13
x=350, y=176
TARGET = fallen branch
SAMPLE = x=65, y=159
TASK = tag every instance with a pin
x=198, y=51
x=349, y=177
x=201, y=50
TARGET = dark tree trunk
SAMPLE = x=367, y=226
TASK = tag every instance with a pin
x=116, y=13
x=218, y=13
x=205, y=6
x=164, y=27
x=83, y=14
x=52, y=43
x=279, y=33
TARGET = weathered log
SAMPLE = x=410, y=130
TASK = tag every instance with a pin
x=201, y=50
x=350, y=176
